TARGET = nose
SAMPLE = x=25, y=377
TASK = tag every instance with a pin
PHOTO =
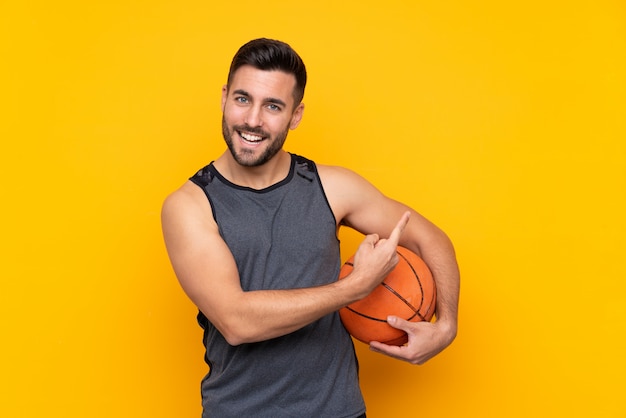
x=253, y=116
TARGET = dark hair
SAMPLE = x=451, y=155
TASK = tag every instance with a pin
x=268, y=55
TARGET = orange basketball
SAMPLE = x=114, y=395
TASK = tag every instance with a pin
x=408, y=292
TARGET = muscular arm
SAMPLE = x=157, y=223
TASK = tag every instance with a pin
x=208, y=274
x=359, y=205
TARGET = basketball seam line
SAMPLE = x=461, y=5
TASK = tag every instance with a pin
x=406, y=302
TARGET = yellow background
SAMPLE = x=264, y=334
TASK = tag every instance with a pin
x=503, y=122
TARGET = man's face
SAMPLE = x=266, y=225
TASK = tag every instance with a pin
x=258, y=112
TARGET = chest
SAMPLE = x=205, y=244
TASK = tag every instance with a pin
x=279, y=237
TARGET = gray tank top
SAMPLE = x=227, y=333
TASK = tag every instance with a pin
x=282, y=237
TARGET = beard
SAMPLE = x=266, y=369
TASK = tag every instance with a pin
x=249, y=158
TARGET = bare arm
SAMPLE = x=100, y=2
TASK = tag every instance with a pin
x=359, y=205
x=208, y=274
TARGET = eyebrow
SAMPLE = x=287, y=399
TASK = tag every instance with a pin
x=266, y=100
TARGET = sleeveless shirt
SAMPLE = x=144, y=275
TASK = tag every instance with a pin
x=282, y=237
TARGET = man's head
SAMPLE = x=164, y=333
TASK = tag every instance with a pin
x=262, y=100
x=270, y=55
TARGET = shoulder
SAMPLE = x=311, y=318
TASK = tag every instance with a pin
x=187, y=204
x=347, y=192
x=332, y=175
x=343, y=180
x=187, y=194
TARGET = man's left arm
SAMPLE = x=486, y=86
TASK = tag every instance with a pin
x=357, y=204
x=427, y=339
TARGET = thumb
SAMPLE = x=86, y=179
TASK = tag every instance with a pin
x=398, y=323
x=371, y=239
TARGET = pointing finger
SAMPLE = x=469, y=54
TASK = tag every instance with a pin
x=399, y=228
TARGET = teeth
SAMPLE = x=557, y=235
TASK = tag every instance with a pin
x=251, y=138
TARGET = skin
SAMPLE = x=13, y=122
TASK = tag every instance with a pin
x=259, y=110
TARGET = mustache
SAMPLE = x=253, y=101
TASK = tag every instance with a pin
x=250, y=129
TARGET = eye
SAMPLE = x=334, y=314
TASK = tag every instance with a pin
x=241, y=99
x=274, y=107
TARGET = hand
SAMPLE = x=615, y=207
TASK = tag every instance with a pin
x=376, y=257
x=426, y=340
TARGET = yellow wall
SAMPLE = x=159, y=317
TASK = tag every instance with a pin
x=502, y=122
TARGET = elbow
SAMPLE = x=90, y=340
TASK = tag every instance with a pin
x=231, y=324
x=243, y=334
x=233, y=342
x=233, y=338
x=229, y=329
x=236, y=333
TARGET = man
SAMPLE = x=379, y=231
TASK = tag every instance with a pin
x=253, y=240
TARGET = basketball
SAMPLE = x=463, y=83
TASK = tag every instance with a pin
x=408, y=292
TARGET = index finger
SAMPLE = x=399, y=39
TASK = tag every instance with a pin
x=399, y=228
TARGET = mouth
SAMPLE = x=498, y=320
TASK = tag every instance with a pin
x=250, y=138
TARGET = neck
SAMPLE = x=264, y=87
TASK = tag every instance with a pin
x=257, y=178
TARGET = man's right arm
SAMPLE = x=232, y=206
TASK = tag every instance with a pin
x=208, y=274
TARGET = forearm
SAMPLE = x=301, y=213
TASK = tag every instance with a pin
x=439, y=255
x=427, y=339
x=261, y=315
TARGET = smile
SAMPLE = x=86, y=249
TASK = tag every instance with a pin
x=251, y=138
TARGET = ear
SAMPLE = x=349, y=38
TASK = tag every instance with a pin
x=297, y=116
x=224, y=96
